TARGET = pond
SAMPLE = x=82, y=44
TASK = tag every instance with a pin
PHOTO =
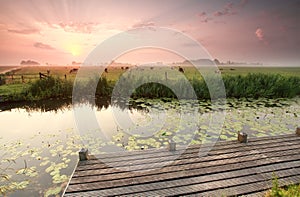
x=40, y=141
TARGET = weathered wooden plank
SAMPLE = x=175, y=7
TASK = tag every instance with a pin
x=133, y=155
x=232, y=186
x=230, y=168
x=186, y=181
x=102, y=163
x=198, y=161
x=217, y=146
x=138, y=178
x=254, y=187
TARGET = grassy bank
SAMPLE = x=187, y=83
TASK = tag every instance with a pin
x=287, y=191
x=236, y=86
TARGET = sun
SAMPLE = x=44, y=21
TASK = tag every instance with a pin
x=75, y=50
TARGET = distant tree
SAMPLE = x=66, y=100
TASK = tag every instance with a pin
x=75, y=63
x=217, y=61
x=29, y=62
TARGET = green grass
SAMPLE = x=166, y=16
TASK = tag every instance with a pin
x=226, y=70
x=239, y=83
x=289, y=191
x=48, y=88
x=286, y=71
x=12, y=91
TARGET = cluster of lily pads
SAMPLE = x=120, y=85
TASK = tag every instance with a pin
x=256, y=117
x=38, y=165
x=43, y=164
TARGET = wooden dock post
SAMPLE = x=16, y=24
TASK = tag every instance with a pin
x=172, y=145
x=298, y=131
x=242, y=137
x=83, y=154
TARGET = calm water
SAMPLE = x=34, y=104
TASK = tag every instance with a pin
x=39, y=141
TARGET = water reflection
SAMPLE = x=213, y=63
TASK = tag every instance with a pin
x=49, y=130
x=57, y=105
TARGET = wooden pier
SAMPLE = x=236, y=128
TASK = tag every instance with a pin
x=229, y=169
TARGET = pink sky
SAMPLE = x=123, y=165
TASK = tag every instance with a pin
x=59, y=32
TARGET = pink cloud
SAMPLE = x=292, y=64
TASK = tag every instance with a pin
x=42, y=46
x=228, y=10
x=76, y=27
x=144, y=24
x=229, y=6
x=24, y=31
x=202, y=14
x=204, y=18
x=259, y=34
x=218, y=13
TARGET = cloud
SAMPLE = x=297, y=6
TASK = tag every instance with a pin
x=259, y=34
x=42, y=46
x=144, y=24
x=203, y=17
x=24, y=31
x=76, y=27
x=229, y=6
x=202, y=14
x=228, y=10
x=219, y=13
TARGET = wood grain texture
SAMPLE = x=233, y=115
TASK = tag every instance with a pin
x=229, y=169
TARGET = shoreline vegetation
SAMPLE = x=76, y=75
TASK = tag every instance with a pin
x=253, y=85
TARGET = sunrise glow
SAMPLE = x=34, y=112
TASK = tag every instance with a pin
x=238, y=30
x=75, y=50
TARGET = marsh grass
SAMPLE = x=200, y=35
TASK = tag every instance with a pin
x=248, y=86
x=288, y=191
x=49, y=87
x=256, y=85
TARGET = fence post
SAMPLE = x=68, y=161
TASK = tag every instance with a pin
x=242, y=137
x=83, y=154
x=172, y=145
x=298, y=131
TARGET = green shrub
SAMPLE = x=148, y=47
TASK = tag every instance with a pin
x=49, y=87
x=289, y=191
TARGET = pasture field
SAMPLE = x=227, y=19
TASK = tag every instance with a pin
x=114, y=72
x=4, y=69
x=227, y=70
x=19, y=79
